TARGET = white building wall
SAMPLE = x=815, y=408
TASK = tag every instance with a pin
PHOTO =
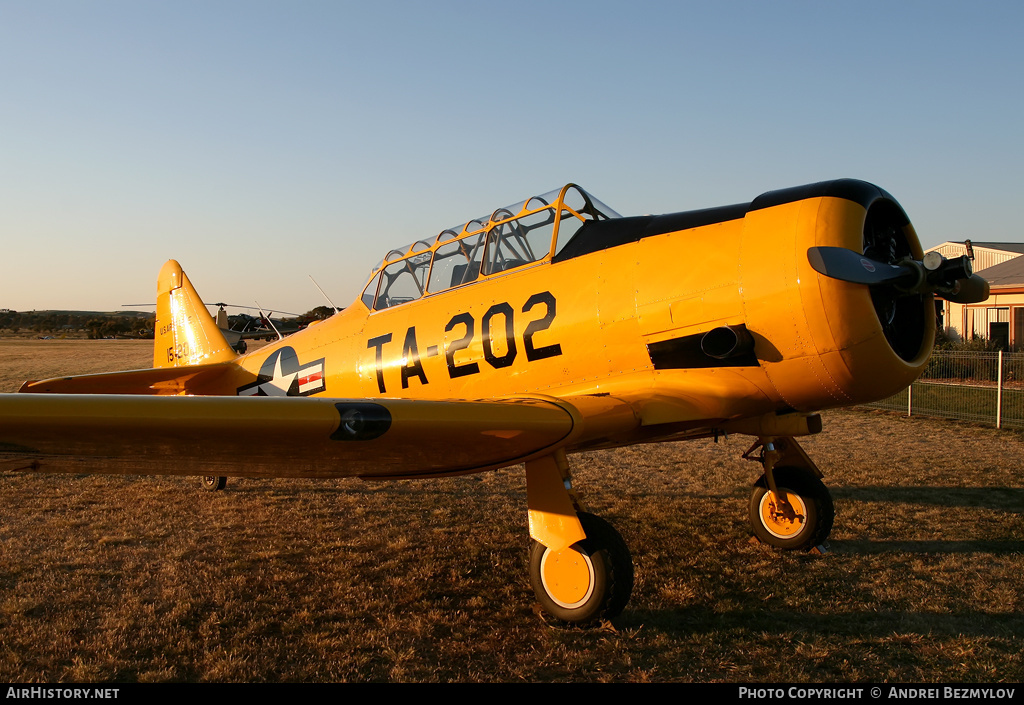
x=984, y=257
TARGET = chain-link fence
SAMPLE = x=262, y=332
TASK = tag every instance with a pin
x=985, y=387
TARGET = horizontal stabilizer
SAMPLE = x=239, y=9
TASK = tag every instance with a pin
x=164, y=380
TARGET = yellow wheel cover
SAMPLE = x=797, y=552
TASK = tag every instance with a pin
x=568, y=577
x=783, y=520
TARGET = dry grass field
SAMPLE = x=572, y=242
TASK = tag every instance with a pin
x=151, y=579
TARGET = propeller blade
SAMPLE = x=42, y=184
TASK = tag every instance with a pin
x=849, y=266
x=952, y=280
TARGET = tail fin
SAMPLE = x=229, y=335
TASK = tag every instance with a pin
x=186, y=333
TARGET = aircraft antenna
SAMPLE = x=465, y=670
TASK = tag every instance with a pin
x=336, y=309
x=270, y=322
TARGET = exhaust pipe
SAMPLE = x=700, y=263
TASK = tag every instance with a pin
x=725, y=342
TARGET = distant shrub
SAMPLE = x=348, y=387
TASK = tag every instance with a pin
x=944, y=342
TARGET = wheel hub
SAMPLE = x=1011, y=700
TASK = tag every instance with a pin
x=783, y=516
x=568, y=577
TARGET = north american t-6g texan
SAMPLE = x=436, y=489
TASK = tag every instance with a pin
x=545, y=328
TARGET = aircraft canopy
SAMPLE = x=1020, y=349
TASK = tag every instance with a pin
x=524, y=233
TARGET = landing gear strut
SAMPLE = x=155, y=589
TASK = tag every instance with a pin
x=790, y=507
x=580, y=568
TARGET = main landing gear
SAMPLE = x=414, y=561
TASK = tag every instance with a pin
x=590, y=580
x=580, y=568
x=790, y=507
x=213, y=483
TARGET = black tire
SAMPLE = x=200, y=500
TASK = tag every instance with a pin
x=610, y=567
x=213, y=483
x=809, y=522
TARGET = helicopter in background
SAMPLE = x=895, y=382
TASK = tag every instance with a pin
x=241, y=326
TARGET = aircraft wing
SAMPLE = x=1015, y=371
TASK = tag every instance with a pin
x=296, y=437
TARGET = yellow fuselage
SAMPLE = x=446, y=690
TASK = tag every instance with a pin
x=625, y=321
x=617, y=331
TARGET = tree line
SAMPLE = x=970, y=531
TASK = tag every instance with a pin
x=92, y=323
x=105, y=325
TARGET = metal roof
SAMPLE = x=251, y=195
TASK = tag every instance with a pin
x=1008, y=273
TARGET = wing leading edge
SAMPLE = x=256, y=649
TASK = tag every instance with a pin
x=309, y=437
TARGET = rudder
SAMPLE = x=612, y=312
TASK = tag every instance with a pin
x=186, y=333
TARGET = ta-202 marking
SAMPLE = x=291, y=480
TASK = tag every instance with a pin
x=499, y=317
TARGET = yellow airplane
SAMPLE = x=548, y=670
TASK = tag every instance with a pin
x=548, y=327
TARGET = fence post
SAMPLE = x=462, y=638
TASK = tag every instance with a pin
x=999, y=394
x=910, y=399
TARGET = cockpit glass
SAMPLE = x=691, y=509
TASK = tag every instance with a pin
x=402, y=281
x=586, y=205
x=568, y=225
x=514, y=243
x=456, y=263
x=510, y=237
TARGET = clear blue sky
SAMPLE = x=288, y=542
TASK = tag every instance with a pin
x=258, y=142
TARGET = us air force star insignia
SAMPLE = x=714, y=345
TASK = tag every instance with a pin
x=282, y=375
